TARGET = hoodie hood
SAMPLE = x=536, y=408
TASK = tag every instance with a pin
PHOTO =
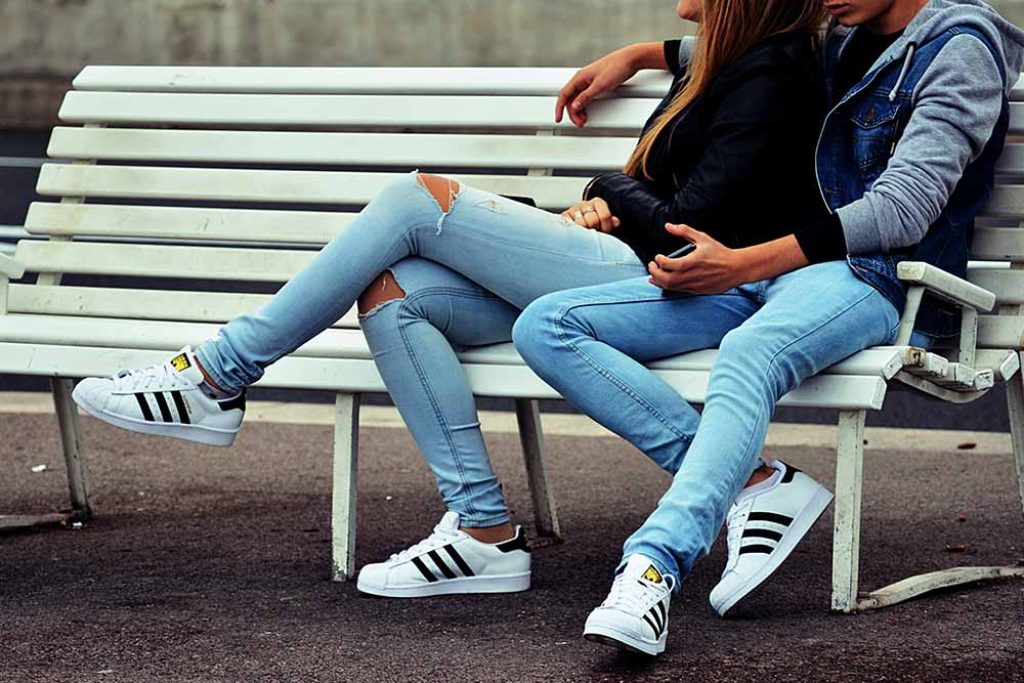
x=941, y=15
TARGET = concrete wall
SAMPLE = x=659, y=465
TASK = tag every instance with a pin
x=43, y=43
x=57, y=37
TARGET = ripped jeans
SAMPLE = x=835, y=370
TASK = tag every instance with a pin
x=466, y=274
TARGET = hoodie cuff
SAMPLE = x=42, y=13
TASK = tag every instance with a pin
x=823, y=239
x=671, y=48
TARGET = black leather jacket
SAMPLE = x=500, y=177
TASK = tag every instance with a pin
x=738, y=163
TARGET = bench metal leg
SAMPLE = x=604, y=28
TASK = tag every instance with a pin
x=74, y=451
x=846, y=543
x=846, y=535
x=532, y=439
x=1015, y=403
x=343, y=489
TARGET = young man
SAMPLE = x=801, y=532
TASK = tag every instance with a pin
x=906, y=159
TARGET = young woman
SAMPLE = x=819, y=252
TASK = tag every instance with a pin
x=906, y=160
x=436, y=265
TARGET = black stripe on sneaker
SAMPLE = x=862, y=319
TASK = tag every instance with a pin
x=756, y=548
x=448, y=573
x=517, y=543
x=144, y=407
x=232, y=403
x=664, y=614
x=762, y=533
x=161, y=403
x=179, y=403
x=463, y=567
x=790, y=473
x=769, y=517
x=657, y=620
x=423, y=570
x=650, y=622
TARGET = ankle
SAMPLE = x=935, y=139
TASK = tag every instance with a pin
x=491, y=534
x=762, y=473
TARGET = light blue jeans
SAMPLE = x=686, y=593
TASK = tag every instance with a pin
x=466, y=275
x=590, y=344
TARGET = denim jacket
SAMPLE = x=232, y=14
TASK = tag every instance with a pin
x=858, y=139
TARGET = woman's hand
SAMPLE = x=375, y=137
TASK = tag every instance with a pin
x=599, y=77
x=711, y=268
x=594, y=214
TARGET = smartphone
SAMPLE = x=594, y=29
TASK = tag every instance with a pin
x=684, y=251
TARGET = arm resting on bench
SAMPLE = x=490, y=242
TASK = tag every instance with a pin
x=10, y=268
x=946, y=286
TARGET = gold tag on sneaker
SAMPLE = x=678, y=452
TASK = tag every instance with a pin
x=652, y=575
x=181, y=362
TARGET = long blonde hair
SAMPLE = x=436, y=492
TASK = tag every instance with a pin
x=728, y=28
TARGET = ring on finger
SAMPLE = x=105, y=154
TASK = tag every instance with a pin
x=577, y=215
x=590, y=209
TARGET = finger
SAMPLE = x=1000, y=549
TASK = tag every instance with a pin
x=567, y=93
x=685, y=231
x=604, y=216
x=592, y=219
x=616, y=222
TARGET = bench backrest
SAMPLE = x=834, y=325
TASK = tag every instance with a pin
x=244, y=166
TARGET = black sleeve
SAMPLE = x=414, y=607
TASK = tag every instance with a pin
x=743, y=141
x=823, y=240
x=671, y=48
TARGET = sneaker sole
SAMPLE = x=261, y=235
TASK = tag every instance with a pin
x=803, y=522
x=621, y=641
x=195, y=433
x=513, y=583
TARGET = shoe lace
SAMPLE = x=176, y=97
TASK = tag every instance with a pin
x=155, y=376
x=439, y=537
x=735, y=529
x=635, y=596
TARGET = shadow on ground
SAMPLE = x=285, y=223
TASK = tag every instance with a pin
x=212, y=565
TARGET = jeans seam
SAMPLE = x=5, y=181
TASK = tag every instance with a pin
x=438, y=414
x=559, y=330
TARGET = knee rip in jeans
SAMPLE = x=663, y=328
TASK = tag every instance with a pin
x=443, y=190
x=381, y=291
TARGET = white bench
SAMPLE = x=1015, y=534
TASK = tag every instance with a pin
x=231, y=174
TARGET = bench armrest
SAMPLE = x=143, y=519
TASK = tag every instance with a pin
x=10, y=268
x=946, y=286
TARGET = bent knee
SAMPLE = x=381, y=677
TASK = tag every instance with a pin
x=382, y=290
x=535, y=325
x=444, y=190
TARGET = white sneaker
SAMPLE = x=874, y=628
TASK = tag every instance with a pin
x=634, y=616
x=165, y=400
x=765, y=524
x=448, y=562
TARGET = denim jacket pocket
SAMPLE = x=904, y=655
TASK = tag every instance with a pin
x=874, y=132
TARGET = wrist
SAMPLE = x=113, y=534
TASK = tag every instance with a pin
x=646, y=56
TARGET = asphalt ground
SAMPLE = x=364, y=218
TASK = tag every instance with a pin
x=212, y=565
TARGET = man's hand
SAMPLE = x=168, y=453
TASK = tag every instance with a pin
x=605, y=74
x=594, y=214
x=713, y=268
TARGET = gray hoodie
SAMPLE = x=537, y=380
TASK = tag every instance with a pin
x=957, y=104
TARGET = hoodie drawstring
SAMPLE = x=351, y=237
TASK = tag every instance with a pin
x=903, y=71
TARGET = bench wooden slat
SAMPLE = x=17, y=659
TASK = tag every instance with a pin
x=360, y=149
x=1011, y=161
x=222, y=263
x=360, y=376
x=140, y=304
x=998, y=244
x=1001, y=332
x=374, y=111
x=1007, y=202
x=1007, y=285
x=352, y=80
x=186, y=223
x=262, y=186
